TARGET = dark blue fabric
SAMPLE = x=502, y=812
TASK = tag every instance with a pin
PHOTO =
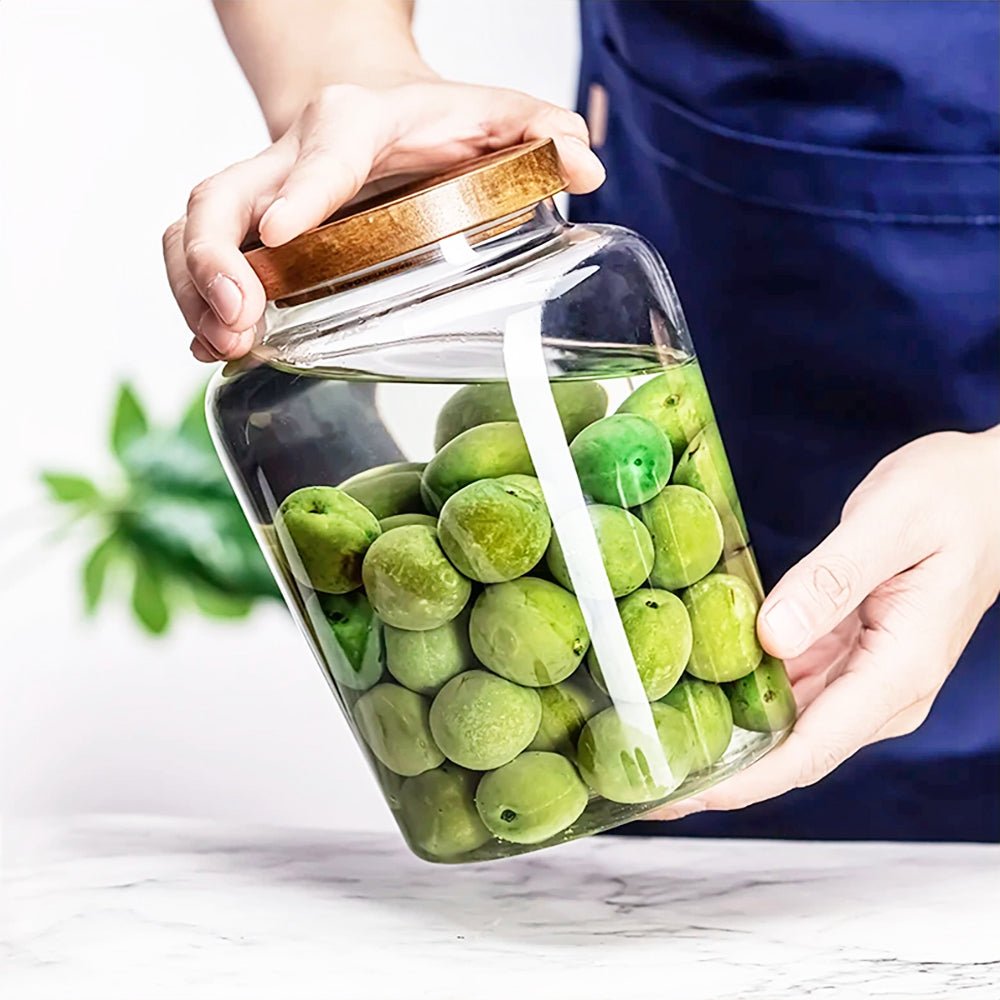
x=822, y=181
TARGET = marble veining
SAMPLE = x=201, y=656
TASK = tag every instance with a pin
x=133, y=907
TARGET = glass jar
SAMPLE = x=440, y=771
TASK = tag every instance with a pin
x=476, y=447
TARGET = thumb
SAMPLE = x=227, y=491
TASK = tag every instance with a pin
x=868, y=547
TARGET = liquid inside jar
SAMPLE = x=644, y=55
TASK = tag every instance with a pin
x=414, y=541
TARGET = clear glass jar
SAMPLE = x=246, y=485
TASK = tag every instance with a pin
x=480, y=457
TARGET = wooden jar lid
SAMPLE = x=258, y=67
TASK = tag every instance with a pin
x=410, y=217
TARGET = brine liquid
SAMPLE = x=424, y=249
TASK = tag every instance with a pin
x=282, y=430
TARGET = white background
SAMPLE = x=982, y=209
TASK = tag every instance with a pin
x=109, y=113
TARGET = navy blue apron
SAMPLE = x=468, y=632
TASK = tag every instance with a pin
x=822, y=182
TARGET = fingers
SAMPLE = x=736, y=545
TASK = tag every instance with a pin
x=584, y=171
x=340, y=140
x=816, y=595
x=841, y=720
x=221, y=211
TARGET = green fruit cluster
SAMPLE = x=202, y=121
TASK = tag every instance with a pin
x=448, y=618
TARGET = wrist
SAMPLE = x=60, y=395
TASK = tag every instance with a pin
x=362, y=68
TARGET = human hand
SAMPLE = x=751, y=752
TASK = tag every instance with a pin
x=872, y=622
x=345, y=137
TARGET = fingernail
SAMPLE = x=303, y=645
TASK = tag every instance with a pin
x=788, y=624
x=277, y=205
x=225, y=298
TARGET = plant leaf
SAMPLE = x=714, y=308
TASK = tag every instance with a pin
x=149, y=599
x=95, y=571
x=129, y=422
x=202, y=540
x=194, y=425
x=165, y=463
x=66, y=487
x=218, y=604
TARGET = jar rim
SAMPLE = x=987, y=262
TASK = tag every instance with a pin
x=410, y=217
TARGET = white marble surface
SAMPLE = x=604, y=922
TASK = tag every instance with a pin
x=147, y=908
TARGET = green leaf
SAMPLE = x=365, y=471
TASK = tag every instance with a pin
x=95, y=571
x=194, y=425
x=65, y=487
x=218, y=604
x=163, y=462
x=149, y=599
x=129, y=421
x=199, y=539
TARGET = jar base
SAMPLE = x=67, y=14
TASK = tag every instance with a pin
x=602, y=815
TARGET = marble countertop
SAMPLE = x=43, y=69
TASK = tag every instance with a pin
x=129, y=907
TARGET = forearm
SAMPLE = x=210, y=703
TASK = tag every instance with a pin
x=290, y=50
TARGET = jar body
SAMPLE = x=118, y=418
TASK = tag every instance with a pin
x=492, y=488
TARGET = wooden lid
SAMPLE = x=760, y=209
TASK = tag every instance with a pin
x=410, y=217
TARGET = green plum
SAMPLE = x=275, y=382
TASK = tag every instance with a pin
x=388, y=489
x=330, y=532
x=659, y=635
x=438, y=812
x=626, y=548
x=530, y=631
x=723, y=610
x=687, y=536
x=741, y=563
x=623, y=460
x=355, y=658
x=531, y=799
x=425, y=661
x=394, y=724
x=494, y=531
x=410, y=582
x=530, y=483
x=611, y=757
x=578, y=403
x=482, y=721
x=402, y=520
x=486, y=451
x=566, y=707
x=705, y=467
x=707, y=709
x=676, y=401
x=763, y=701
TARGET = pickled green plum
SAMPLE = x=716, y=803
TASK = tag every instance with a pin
x=626, y=548
x=494, y=531
x=687, y=536
x=355, y=658
x=704, y=466
x=763, y=701
x=438, y=812
x=403, y=520
x=395, y=724
x=676, y=401
x=425, y=661
x=566, y=707
x=330, y=533
x=623, y=460
x=482, y=721
x=388, y=489
x=484, y=452
x=529, y=483
x=659, y=635
x=532, y=798
x=530, y=631
x=612, y=760
x=723, y=610
x=578, y=403
x=410, y=582
x=707, y=709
